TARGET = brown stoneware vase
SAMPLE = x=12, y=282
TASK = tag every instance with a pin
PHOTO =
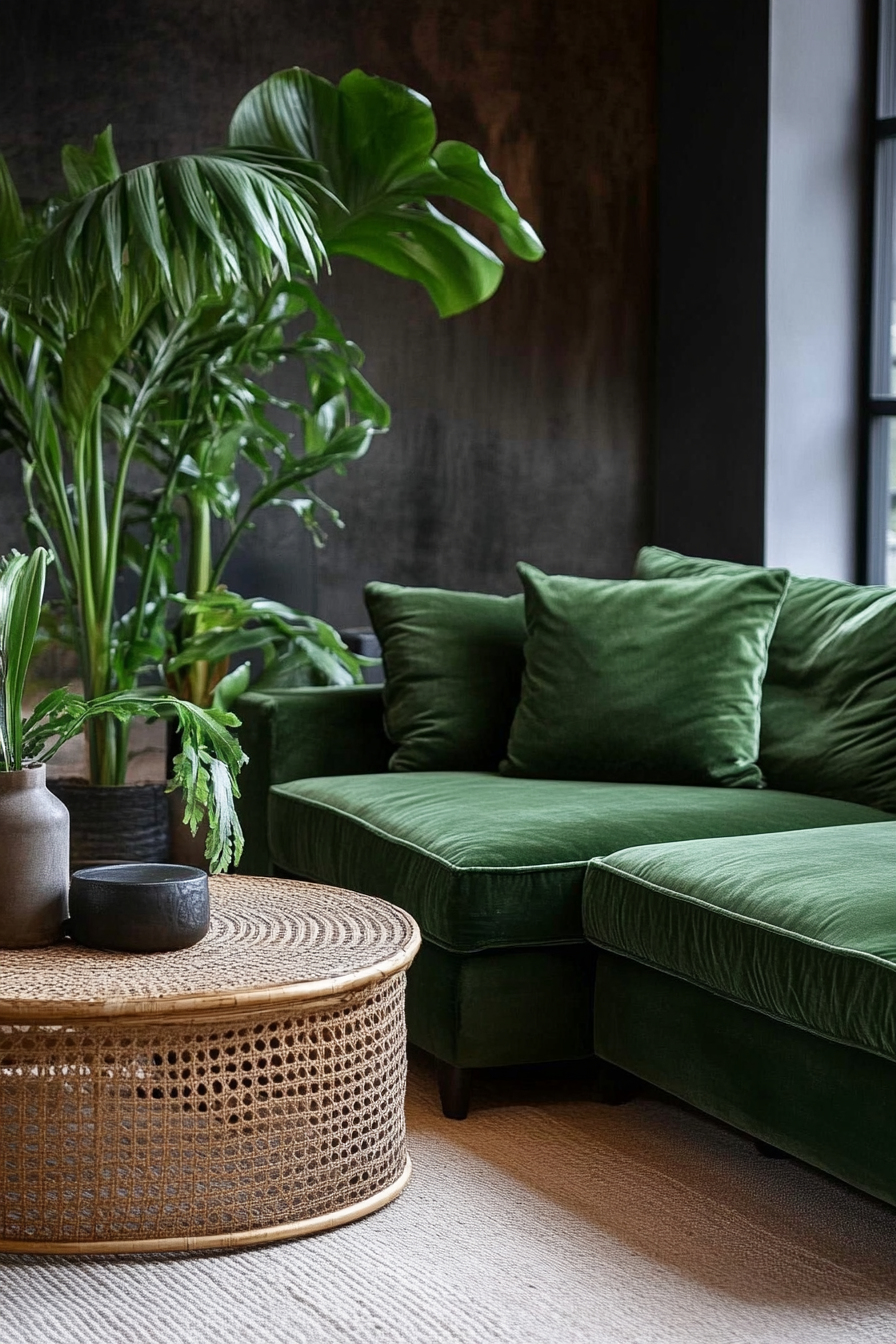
x=33, y=859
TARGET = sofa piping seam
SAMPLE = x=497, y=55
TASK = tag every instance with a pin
x=427, y=853
x=735, y=915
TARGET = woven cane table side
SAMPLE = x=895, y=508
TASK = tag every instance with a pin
x=245, y=1089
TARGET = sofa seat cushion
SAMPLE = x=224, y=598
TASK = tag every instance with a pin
x=799, y=925
x=483, y=861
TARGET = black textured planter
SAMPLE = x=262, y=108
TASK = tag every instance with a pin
x=138, y=907
x=125, y=823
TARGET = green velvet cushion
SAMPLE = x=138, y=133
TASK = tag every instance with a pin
x=482, y=861
x=654, y=683
x=800, y=925
x=453, y=664
x=829, y=700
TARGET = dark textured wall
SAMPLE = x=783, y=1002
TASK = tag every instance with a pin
x=522, y=429
x=711, y=297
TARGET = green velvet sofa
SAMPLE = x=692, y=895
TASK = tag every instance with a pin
x=735, y=946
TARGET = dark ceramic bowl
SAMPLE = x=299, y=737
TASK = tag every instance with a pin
x=138, y=907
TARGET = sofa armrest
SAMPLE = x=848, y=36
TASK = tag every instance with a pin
x=297, y=733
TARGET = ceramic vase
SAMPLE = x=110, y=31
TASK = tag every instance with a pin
x=34, y=838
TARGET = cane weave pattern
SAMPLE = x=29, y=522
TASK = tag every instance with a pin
x=263, y=932
x=116, y=1128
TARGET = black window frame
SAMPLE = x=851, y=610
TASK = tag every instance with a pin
x=880, y=407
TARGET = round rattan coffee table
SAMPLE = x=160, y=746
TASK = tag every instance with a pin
x=248, y=1089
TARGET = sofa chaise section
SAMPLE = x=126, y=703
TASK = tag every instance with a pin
x=755, y=977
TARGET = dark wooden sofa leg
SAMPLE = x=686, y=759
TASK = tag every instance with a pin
x=454, y=1090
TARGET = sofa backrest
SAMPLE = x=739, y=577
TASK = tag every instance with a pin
x=829, y=697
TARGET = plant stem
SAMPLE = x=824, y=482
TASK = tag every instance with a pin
x=199, y=579
x=107, y=746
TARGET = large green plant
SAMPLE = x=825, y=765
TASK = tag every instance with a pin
x=376, y=143
x=130, y=312
x=210, y=758
x=214, y=413
x=80, y=284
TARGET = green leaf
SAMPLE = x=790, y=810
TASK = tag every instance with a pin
x=21, y=598
x=190, y=206
x=86, y=169
x=419, y=243
x=376, y=141
x=90, y=356
x=143, y=213
x=465, y=176
x=205, y=770
x=247, y=205
x=351, y=442
x=105, y=158
x=293, y=111
x=140, y=232
x=367, y=402
x=113, y=226
x=210, y=646
x=234, y=624
x=77, y=167
x=231, y=686
x=12, y=220
x=54, y=720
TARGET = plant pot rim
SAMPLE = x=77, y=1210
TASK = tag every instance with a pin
x=138, y=874
x=79, y=782
x=31, y=776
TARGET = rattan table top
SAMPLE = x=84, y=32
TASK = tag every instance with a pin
x=271, y=940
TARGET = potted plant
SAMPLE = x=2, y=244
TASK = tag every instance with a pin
x=34, y=825
x=73, y=408
x=129, y=314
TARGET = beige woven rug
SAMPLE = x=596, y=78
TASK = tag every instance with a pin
x=543, y=1219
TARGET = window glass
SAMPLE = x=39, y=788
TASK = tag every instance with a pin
x=883, y=306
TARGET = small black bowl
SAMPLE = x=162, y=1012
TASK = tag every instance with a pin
x=138, y=907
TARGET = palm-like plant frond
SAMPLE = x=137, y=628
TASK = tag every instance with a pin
x=183, y=229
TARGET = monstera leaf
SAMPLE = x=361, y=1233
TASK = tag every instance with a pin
x=376, y=141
